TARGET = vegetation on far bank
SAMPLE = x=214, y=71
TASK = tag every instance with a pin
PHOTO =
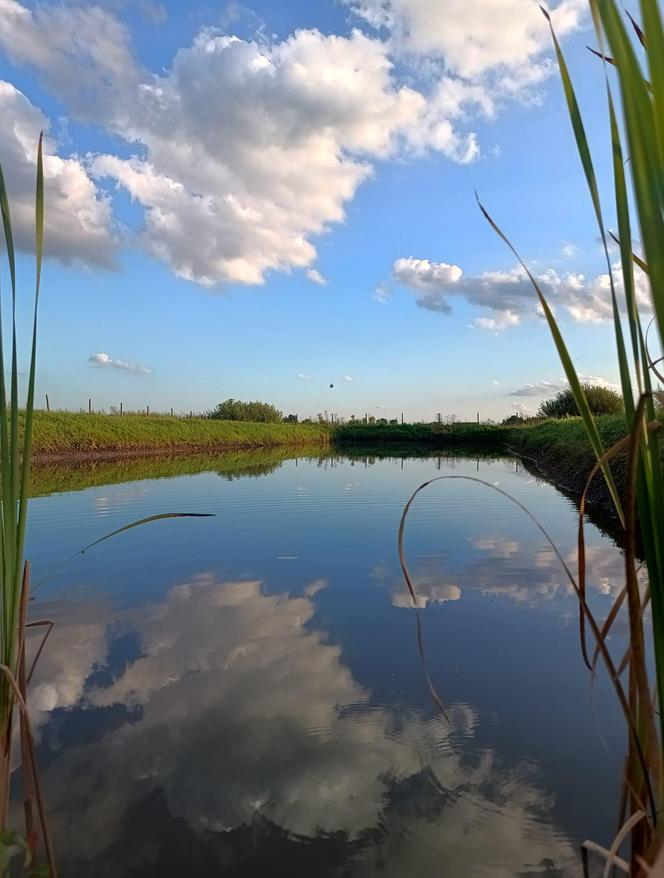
x=70, y=433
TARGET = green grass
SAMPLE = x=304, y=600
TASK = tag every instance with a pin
x=63, y=433
x=436, y=435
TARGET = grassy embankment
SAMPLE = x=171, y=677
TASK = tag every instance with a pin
x=77, y=435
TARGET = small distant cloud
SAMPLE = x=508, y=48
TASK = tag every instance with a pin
x=379, y=406
x=496, y=151
x=381, y=293
x=351, y=379
x=540, y=388
x=568, y=249
x=102, y=359
x=156, y=12
x=521, y=408
x=316, y=277
x=497, y=383
x=303, y=377
x=550, y=388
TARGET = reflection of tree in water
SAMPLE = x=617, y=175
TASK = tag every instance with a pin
x=248, y=742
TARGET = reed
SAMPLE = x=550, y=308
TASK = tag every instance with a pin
x=632, y=55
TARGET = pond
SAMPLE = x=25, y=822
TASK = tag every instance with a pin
x=244, y=695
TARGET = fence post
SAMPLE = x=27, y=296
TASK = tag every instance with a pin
x=147, y=410
x=478, y=417
x=402, y=417
x=48, y=408
x=171, y=412
x=89, y=406
x=121, y=409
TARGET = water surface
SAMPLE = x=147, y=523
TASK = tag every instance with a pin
x=243, y=695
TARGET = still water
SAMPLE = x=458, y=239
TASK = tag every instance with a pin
x=243, y=695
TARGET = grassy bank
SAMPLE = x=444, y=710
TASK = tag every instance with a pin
x=69, y=434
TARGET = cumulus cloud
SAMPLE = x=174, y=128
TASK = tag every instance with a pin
x=102, y=359
x=508, y=295
x=505, y=47
x=316, y=277
x=78, y=221
x=245, y=150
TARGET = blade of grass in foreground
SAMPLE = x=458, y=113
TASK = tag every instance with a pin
x=570, y=371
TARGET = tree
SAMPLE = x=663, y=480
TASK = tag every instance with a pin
x=291, y=419
x=601, y=400
x=236, y=410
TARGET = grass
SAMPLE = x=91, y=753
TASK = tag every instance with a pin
x=69, y=433
x=633, y=68
x=435, y=435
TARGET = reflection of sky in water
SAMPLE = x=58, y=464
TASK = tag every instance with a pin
x=262, y=704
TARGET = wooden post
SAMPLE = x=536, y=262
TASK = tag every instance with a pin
x=89, y=406
x=438, y=416
x=402, y=417
x=120, y=408
x=147, y=410
x=48, y=408
x=171, y=412
x=478, y=417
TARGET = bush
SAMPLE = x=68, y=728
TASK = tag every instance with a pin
x=601, y=401
x=236, y=410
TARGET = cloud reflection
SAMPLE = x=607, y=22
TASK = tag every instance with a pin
x=243, y=713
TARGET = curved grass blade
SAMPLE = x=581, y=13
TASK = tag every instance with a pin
x=611, y=668
x=570, y=371
x=141, y=521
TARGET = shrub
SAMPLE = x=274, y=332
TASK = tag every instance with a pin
x=236, y=410
x=601, y=401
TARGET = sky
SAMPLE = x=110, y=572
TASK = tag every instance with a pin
x=276, y=201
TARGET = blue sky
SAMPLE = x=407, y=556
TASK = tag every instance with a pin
x=259, y=201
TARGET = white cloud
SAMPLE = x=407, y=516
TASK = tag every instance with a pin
x=568, y=250
x=381, y=293
x=103, y=359
x=506, y=41
x=245, y=151
x=521, y=408
x=303, y=377
x=508, y=295
x=350, y=379
x=78, y=221
x=541, y=388
x=316, y=277
x=497, y=383
x=550, y=388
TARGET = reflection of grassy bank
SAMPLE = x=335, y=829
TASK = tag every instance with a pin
x=559, y=449
x=60, y=477
x=69, y=434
